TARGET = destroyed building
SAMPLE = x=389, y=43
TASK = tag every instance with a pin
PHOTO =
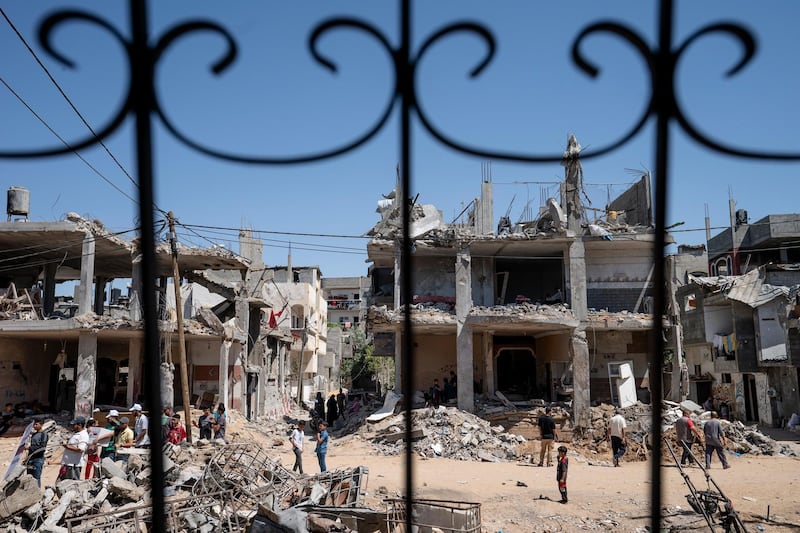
x=741, y=338
x=740, y=322
x=347, y=311
x=558, y=306
x=300, y=313
x=77, y=353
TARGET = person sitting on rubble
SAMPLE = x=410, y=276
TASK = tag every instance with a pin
x=708, y=405
x=9, y=414
x=355, y=405
x=176, y=433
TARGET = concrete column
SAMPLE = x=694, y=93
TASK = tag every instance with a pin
x=581, y=379
x=49, y=296
x=224, y=352
x=99, y=295
x=464, y=350
x=135, y=304
x=398, y=361
x=488, y=354
x=86, y=374
x=87, y=275
x=134, y=370
x=576, y=263
x=397, y=276
x=580, y=350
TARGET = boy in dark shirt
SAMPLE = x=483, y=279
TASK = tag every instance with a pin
x=561, y=473
x=204, y=423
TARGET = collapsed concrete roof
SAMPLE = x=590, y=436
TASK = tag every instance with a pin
x=531, y=318
x=750, y=288
x=25, y=247
x=105, y=327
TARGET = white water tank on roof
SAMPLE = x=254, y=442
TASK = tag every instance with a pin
x=19, y=202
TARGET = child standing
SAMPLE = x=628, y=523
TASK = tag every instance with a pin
x=561, y=472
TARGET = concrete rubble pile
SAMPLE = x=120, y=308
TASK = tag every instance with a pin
x=741, y=439
x=447, y=432
x=209, y=486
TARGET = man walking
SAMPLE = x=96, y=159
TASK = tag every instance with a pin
x=686, y=431
x=296, y=440
x=616, y=434
x=547, y=430
x=715, y=441
x=36, y=450
x=74, y=451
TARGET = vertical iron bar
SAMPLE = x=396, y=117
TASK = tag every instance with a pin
x=663, y=101
x=405, y=83
x=142, y=101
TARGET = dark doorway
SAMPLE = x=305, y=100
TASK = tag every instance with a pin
x=106, y=379
x=750, y=398
x=252, y=387
x=516, y=372
x=703, y=391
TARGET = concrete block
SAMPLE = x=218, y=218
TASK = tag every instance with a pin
x=18, y=495
x=112, y=469
x=124, y=489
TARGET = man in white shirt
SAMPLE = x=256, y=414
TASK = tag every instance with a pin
x=297, y=445
x=140, y=428
x=74, y=456
x=616, y=434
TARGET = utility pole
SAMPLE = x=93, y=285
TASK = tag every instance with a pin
x=176, y=282
x=303, y=339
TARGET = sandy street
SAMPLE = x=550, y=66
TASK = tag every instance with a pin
x=601, y=497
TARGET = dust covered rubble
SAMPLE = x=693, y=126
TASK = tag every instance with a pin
x=447, y=432
x=209, y=486
x=123, y=486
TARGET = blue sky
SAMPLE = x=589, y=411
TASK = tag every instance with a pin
x=275, y=100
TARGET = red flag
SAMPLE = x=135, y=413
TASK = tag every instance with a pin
x=273, y=318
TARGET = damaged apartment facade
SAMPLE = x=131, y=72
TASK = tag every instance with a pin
x=741, y=334
x=85, y=352
x=552, y=308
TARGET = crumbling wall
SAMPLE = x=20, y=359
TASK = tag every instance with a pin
x=25, y=370
x=608, y=347
x=635, y=204
x=785, y=382
x=435, y=357
x=617, y=280
x=435, y=276
x=203, y=359
x=482, y=282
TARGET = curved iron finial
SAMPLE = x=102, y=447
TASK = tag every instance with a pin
x=648, y=55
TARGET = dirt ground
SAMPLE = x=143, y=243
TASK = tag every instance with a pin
x=519, y=497
x=602, y=497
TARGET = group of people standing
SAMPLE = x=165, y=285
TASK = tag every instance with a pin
x=297, y=438
x=89, y=445
x=336, y=407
